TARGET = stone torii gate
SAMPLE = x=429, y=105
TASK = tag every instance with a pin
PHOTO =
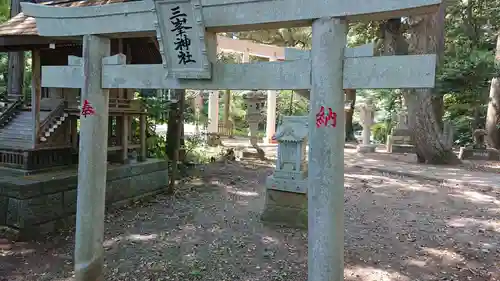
x=192, y=66
x=273, y=53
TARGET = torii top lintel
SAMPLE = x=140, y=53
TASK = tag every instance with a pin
x=217, y=15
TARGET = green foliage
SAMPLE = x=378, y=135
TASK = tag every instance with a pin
x=291, y=104
x=380, y=132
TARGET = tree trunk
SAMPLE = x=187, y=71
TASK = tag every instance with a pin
x=174, y=134
x=350, y=95
x=493, y=115
x=15, y=79
x=425, y=124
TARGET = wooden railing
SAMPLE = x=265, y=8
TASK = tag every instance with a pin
x=8, y=112
x=53, y=117
x=126, y=104
x=33, y=160
x=13, y=159
x=226, y=132
x=116, y=104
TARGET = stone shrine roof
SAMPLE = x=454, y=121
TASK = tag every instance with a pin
x=22, y=25
x=292, y=129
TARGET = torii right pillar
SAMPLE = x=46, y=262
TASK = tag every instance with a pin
x=326, y=151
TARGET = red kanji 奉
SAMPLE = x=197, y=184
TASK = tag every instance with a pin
x=87, y=109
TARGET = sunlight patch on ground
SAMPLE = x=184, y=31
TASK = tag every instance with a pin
x=447, y=257
x=476, y=197
x=384, y=181
x=269, y=240
x=140, y=237
x=131, y=237
x=17, y=252
x=473, y=223
x=372, y=274
x=241, y=192
x=414, y=262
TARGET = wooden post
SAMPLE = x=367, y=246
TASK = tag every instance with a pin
x=142, y=133
x=326, y=153
x=74, y=133
x=123, y=128
x=124, y=135
x=36, y=92
x=92, y=166
x=110, y=128
x=16, y=62
x=227, y=107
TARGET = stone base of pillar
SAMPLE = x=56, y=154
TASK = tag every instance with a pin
x=285, y=208
x=366, y=148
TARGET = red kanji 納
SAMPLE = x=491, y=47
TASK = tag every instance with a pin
x=323, y=119
x=87, y=109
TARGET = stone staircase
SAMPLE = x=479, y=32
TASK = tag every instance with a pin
x=56, y=117
x=17, y=134
x=16, y=124
x=56, y=123
x=8, y=110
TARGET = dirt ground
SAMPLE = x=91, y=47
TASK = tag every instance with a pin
x=470, y=165
x=396, y=229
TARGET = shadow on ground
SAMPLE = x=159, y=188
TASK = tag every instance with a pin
x=396, y=229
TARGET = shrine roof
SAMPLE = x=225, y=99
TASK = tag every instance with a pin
x=22, y=25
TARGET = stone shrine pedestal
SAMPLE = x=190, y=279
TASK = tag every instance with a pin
x=286, y=193
x=478, y=150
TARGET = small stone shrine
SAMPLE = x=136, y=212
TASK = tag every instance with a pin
x=399, y=141
x=478, y=150
x=367, y=115
x=286, y=198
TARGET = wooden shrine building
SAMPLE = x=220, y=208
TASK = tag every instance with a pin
x=42, y=132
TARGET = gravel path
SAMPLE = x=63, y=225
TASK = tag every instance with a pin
x=396, y=229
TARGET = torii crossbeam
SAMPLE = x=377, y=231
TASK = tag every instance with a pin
x=326, y=72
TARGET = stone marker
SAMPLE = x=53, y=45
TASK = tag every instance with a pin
x=286, y=193
x=326, y=73
x=367, y=112
x=479, y=150
x=400, y=140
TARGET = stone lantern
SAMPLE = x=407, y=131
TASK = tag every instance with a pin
x=256, y=108
x=367, y=115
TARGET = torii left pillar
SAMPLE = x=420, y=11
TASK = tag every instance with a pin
x=271, y=112
x=92, y=167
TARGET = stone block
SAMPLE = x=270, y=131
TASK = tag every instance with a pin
x=44, y=213
x=401, y=132
x=69, y=201
x=4, y=202
x=19, y=187
x=363, y=148
x=33, y=211
x=286, y=184
x=479, y=154
x=401, y=139
x=59, y=184
x=285, y=208
x=402, y=148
